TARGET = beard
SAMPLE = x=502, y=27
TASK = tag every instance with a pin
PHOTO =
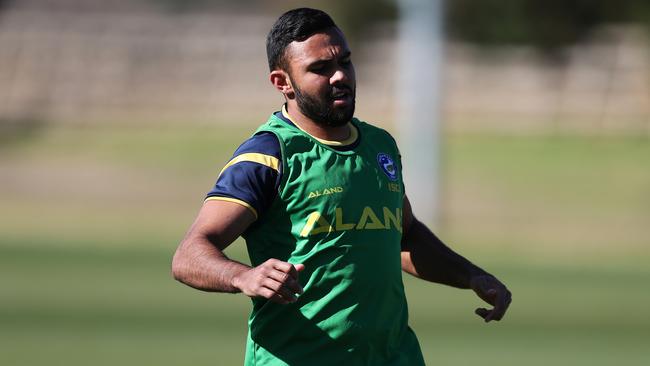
x=321, y=109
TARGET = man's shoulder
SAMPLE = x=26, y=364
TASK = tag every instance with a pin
x=261, y=142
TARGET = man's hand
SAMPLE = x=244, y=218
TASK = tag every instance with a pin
x=493, y=292
x=274, y=280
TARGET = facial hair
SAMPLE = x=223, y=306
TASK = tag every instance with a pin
x=321, y=110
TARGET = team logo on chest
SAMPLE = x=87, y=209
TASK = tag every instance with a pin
x=387, y=165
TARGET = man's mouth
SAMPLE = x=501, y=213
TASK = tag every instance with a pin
x=341, y=94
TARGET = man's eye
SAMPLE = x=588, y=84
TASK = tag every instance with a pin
x=317, y=68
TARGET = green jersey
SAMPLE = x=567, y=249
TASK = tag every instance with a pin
x=340, y=214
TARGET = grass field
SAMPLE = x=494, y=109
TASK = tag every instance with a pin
x=91, y=217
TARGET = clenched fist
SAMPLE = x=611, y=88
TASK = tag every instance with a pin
x=274, y=280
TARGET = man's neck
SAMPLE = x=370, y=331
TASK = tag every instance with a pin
x=330, y=133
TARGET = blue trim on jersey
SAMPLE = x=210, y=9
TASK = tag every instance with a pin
x=264, y=143
x=253, y=183
x=250, y=182
x=283, y=118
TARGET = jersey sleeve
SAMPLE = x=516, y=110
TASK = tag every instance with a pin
x=252, y=176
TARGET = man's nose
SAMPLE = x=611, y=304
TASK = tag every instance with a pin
x=340, y=75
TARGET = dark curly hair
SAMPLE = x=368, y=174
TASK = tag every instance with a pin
x=294, y=25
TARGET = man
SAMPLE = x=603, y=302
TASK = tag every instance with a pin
x=319, y=198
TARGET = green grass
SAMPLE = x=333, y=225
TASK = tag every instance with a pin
x=121, y=306
x=551, y=198
x=90, y=220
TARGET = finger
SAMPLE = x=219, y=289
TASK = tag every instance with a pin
x=485, y=290
x=482, y=312
x=280, y=289
x=283, y=266
x=271, y=295
x=279, y=300
x=286, y=294
x=297, y=268
x=286, y=280
x=507, y=301
x=486, y=314
x=487, y=295
x=289, y=268
x=286, y=267
x=500, y=305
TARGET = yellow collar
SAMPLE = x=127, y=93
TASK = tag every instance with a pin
x=354, y=133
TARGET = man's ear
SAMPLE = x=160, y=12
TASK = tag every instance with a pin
x=281, y=81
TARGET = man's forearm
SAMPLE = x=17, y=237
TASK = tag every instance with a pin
x=200, y=264
x=427, y=257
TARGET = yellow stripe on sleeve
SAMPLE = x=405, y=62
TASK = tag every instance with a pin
x=267, y=160
x=234, y=200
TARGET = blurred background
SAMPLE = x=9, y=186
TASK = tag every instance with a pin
x=116, y=117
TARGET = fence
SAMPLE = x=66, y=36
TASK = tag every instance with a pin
x=151, y=68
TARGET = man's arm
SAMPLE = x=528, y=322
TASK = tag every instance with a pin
x=199, y=261
x=427, y=257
